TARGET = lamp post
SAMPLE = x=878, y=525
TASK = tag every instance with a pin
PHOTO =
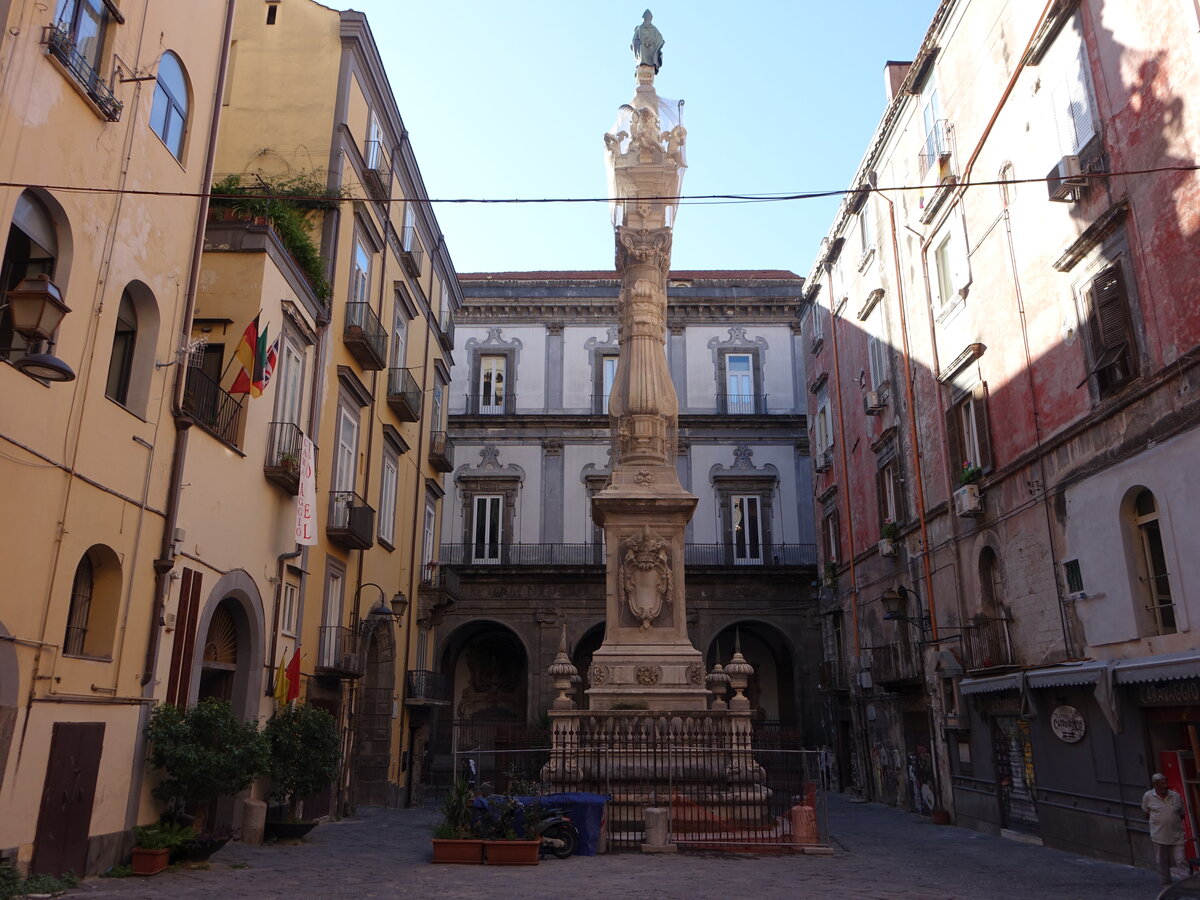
x=383, y=607
x=896, y=604
x=37, y=308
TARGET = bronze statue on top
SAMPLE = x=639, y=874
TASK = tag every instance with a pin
x=647, y=43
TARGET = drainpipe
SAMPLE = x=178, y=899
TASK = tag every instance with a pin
x=166, y=561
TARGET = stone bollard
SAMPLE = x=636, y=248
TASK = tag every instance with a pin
x=657, y=830
x=254, y=817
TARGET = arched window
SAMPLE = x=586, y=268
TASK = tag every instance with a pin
x=1152, y=564
x=31, y=250
x=95, y=599
x=168, y=115
x=990, y=605
x=120, y=364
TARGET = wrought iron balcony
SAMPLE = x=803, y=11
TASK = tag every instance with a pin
x=351, y=521
x=339, y=653
x=282, y=464
x=592, y=554
x=441, y=451
x=446, y=329
x=894, y=663
x=742, y=404
x=377, y=178
x=426, y=688
x=988, y=643
x=490, y=405
x=364, y=336
x=411, y=254
x=214, y=408
x=60, y=45
x=404, y=395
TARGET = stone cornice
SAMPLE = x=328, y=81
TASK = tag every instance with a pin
x=569, y=311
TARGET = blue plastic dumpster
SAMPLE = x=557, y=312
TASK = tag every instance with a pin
x=586, y=812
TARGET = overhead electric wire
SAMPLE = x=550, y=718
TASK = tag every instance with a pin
x=690, y=199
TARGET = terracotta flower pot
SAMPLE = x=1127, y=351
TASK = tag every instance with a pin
x=512, y=853
x=150, y=862
x=462, y=852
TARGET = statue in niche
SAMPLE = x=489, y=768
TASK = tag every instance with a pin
x=647, y=43
x=645, y=576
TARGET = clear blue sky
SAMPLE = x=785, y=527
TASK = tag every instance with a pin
x=511, y=99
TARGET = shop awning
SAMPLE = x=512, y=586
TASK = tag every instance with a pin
x=1066, y=674
x=1006, y=682
x=1167, y=667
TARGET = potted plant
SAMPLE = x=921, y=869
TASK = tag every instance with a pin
x=153, y=846
x=289, y=461
x=889, y=533
x=205, y=752
x=507, y=827
x=454, y=840
x=303, y=759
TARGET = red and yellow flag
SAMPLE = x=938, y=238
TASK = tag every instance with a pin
x=287, y=680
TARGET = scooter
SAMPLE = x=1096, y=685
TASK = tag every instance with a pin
x=557, y=834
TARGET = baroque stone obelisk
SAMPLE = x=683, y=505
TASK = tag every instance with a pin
x=646, y=660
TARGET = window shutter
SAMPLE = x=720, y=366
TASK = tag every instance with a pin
x=876, y=360
x=954, y=441
x=960, y=263
x=1080, y=98
x=881, y=493
x=979, y=397
x=1109, y=319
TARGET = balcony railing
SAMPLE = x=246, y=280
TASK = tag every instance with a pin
x=212, y=406
x=404, y=395
x=339, y=653
x=896, y=662
x=60, y=45
x=600, y=403
x=364, y=336
x=426, y=688
x=936, y=150
x=988, y=643
x=446, y=329
x=378, y=176
x=282, y=464
x=351, y=520
x=742, y=404
x=478, y=405
x=441, y=451
x=411, y=253
x=592, y=554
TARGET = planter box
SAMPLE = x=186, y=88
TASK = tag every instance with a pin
x=468, y=852
x=150, y=862
x=512, y=853
x=967, y=502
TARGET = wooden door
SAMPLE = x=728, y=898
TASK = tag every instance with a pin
x=61, y=843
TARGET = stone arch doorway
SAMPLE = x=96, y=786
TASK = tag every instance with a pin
x=588, y=644
x=772, y=688
x=373, y=731
x=489, y=667
x=228, y=658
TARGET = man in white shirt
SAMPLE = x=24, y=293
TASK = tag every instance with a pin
x=1165, y=810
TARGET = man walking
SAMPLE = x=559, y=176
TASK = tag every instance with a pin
x=1165, y=810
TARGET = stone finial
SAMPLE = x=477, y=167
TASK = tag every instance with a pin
x=718, y=684
x=563, y=674
x=739, y=672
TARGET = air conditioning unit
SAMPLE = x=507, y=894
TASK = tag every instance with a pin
x=865, y=681
x=873, y=403
x=967, y=501
x=1065, y=182
x=824, y=460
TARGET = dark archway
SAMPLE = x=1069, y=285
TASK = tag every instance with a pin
x=489, y=667
x=772, y=688
x=373, y=726
x=588, y=644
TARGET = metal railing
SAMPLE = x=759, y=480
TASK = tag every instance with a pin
x=282, y=463
x=364, y=336
x=441, y=451
x=479, y=405
x=212, y=406
x=61, y=45
x=446, y=328
x=351, y=521
x=424, y=686
x=411, y=253
x=592, y=554
x=404, y=395
x=937, y=146
x=742, y=404
x=339, y=652
x=988, y=643
x=900, y=661
x=378, y=176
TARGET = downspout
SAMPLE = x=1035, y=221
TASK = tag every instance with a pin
x=166, y=561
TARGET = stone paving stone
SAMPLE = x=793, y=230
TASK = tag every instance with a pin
x=880, y=853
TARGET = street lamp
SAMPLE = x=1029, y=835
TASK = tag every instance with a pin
x=896, y=603
x=395, y=607
x=37, y=308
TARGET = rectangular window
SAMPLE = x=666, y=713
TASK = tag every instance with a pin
x=1074, y=576
x=290, y=397
x=291, y=607
x=360, y=273
x=967, y=430
x=746, y=530
x=877, y=359
x=1109, y=334
x=492, y=386
x=387, y=500
x=823, y=434
x=345, y=464
x=422, y=647
x=399, y=356
x=429, y=535
x=945, y=277
x=935, y=132
x=1071, y=96
x=866, y=228
x=832, y=538
x=891, y=505
x=608, y=379
x=85, y=22
x=435, y=419
x=952, y=261
x=330, y=638
x=739, y=383
x=374, y=148
x=486, y=541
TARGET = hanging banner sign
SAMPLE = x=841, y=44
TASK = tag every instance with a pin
x=306, y=499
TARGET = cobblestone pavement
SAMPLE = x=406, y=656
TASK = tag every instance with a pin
x=880, y=853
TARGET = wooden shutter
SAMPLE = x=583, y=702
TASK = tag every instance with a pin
x=1109, y=319
x=954, y=441
x=881, y=494
x=979, y=396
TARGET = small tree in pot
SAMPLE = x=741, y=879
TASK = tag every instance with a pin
x=206, y=752
x=304, y=753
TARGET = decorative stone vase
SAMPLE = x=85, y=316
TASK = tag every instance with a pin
x=512, y=853
x=461, y=852
x=150, y=862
